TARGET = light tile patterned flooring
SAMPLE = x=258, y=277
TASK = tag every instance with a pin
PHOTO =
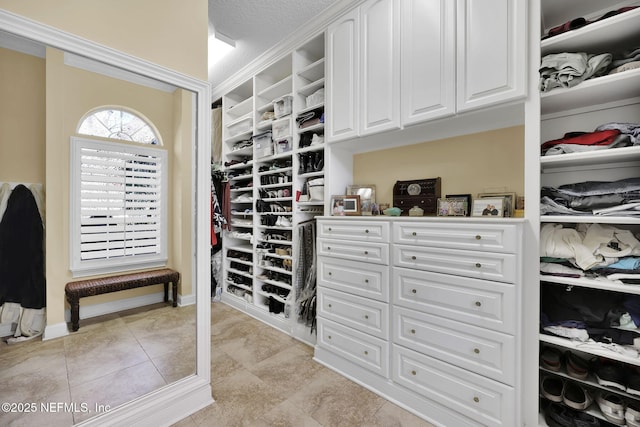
x=260, y=376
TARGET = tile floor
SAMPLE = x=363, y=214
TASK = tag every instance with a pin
x=259, y=376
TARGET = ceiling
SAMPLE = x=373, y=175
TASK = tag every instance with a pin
x=256, y=26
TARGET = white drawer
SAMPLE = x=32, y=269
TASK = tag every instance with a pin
x=365, y=350
x=484, y=401
x=483, y=303
x=358, y=251
x=367, y=280
x=363, y=314
x=367, y=231
x=475, y=236
x=488, y=353
x=482, y=265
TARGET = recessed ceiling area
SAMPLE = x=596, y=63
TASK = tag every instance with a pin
x=256, y=26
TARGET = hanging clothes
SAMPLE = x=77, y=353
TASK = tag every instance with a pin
x=22, y=278
x=305, y=286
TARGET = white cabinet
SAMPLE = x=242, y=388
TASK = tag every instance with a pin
x=363, y=71
x=428, y=63
x=491, y=59
x=448, y=334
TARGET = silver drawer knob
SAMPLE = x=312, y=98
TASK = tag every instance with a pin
x=329, y=273
x=329, y=228
x=328, y=248
x=413, y=257
x=478, y=265
x=366, y=252
x=366, y=316
x=478, y=304
x=413, y=291
x=414, y=373
x=476, y=399
x=476, y=350
x=413, y=331
x=329, y=337
x=478, y=237
x=366, y=280
x=329, y=305
x=366, y=352
x=414, y=234
x=366, y=231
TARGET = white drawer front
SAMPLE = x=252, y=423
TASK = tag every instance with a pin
x=475, y=236
x=369, y=352
x=478, y=302
x=358, y=251
x=485, y=401
x=487, y=353
x=356, y=312
x=482, y=265
x=367, y=280
x=368, y=231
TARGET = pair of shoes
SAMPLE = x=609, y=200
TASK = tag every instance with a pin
x=612, y=407
x=611, y=374
x=283, y=221
x=574, y=396
x=632, y=414
x=557, y=415
x=577, y=366
x=551, y=358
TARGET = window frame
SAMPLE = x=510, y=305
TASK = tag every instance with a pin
x=79, y=267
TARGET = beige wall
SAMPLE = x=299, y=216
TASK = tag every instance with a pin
x=471, y=164
x=172, y=33
x=22, y=117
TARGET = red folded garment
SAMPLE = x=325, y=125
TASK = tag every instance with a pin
x=603, y=137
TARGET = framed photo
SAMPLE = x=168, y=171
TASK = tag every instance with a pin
x=367, y=195
x=452, y=207
x=345, y=205
x=488, y=207
x=509, y=201
x=466, y=205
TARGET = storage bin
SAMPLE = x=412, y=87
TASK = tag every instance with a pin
x=282, y=106
x=239, y=127
x=282, y=145
x=316, y=98
x=281, y=128
x=263, y=144
x=316, y=189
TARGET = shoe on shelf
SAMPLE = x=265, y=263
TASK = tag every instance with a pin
x=632, y=414
x=612, y=407
x=577, y=366
x=551, y=358
x=611, y=375
x=575, y=396
x=552, y=388
x=557, y=415
x=582, y=419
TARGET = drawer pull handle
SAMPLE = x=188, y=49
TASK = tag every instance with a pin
x=329, y=305
x=478, y=265
x=413, y=331
x=476, y=399
x=476, y=350
x=414, y=234
x=413, y=257
x=366, y=353
x=366, y=252
x=366, y=280
x=329, y=337
x=366, y=316
x=478, y=304
x=328, y=248
x=478, y=237
x=330, y=273
x=366, y=231
x=414, y=373
x=329, y=229
x=413, y=291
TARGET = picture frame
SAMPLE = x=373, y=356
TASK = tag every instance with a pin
x=488, y=207
x=345, y=205
x=367, y=195
x=509, y=203
x=465, y=198
x=452, y=207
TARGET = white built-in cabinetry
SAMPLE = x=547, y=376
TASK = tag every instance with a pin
x=392, y=63
x=610, y=98
x=423, y=311
x=265, y=162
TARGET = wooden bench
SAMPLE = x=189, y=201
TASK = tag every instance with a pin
x=104, y=285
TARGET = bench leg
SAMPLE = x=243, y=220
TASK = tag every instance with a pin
x=74, y=303
x=166, y=292
x=175, y=293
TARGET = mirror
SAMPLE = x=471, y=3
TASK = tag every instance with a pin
x=144, y=359
x=367, y=195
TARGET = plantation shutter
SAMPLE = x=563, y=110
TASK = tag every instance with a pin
x=120, y=203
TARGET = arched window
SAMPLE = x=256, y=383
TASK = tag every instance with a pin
x=117, y=123
x=118, y=200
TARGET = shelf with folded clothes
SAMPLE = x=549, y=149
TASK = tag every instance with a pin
x=312, y=128
x=608, y=88
x=608, y=351
x=590, y=158
x=588, y=219
x=234, y=164
x=598, y=35
x=593, y=283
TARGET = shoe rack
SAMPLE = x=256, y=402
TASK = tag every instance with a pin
x=600, y=100
x=270, y=158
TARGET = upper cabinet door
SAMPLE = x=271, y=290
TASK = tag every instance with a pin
x=342, y=76
x=491, y=52
x=380, y=52
x=428, y=60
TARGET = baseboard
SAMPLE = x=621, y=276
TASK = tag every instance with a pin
x=184, y=300
x=55, y=331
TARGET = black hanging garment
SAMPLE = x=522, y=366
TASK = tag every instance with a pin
x=22, y=278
